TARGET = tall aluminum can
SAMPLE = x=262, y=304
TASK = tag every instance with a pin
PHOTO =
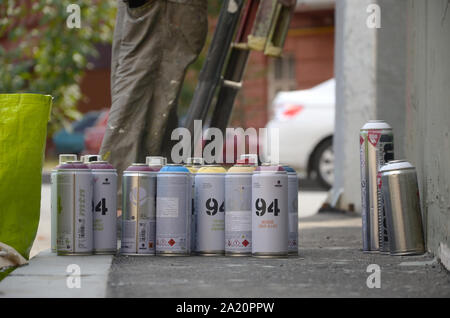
x=173, y=211
x=75, y=235
x=238, y=209
x=138, y=210
x=293, y=210
x=105, y=207
x=270, y=211
x=63, y=158
x=376, y=149
x=210, y=209
x=402, y=204
x=193, y=164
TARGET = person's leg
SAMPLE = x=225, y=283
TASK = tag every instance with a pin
x=185, y=30
x=136, y=59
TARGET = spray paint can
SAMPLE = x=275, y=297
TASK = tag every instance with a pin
x=402, y=204
x=173, y=206
x=75, y=234
x=376, y=149
x=293, y=210
x=238, y=208
x=105, y=207
x=193, y=164
x=210, y=209
x=138, y=210
x=63, y=158
x=269, y=211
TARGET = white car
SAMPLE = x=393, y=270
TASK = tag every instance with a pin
x=305, y=120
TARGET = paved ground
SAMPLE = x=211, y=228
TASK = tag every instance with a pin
x=330, y=265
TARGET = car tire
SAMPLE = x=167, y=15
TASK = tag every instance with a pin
x=323, y=163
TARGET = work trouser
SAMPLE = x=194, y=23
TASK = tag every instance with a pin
x=152, y=47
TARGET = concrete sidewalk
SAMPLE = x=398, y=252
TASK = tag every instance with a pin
x=330, y=265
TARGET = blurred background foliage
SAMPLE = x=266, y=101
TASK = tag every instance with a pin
x=45, y=56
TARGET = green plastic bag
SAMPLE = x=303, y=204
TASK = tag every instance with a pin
x=23, y=131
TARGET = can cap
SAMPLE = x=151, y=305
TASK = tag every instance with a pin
x=376, y=124
x=396, y=165
x=91, y=158
x=174, y=168
x=66, y=158
x=155, y=161
x=100, y=165
x=140, y=167
x=212, y=168
x=194, y=161
x=289, y=169
x=73, y=165
x=249, y=159
x=268, y=167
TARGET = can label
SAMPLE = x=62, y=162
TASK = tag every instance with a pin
x=138, y=215
x=293, y=213
x=238, y=213
x=269, y=214
x=74, y=212
x=105, y=211
x=53, y=209
x=173, y=218
x=380, y=143
x=210, y=208
x=193, y=214
x=365, y=213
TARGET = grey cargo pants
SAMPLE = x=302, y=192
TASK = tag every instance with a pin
x=153, y=46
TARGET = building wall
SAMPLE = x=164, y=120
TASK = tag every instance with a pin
x=427, y=113
x=310, y=42
x=96, y=90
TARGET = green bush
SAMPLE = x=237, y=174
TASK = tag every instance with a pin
x=40, y=54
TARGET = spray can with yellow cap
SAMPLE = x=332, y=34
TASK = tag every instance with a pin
x=210, y=210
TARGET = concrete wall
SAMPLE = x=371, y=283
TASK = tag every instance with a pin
x=407, y=83
x=355, y=73
x=391, y=69
x=427, y=115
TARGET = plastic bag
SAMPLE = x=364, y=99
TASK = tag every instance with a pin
x=23, y=132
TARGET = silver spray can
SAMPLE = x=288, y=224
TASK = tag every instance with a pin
x=193, y=164
x=269, y=211
x=293, y=210
x=238, y=209
x=376, y=149
x=63, y=158
x=173, y=211
x=402, y=204
x=139, y=210
x=210, y=210
x=105, y=207
x=75, y=234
